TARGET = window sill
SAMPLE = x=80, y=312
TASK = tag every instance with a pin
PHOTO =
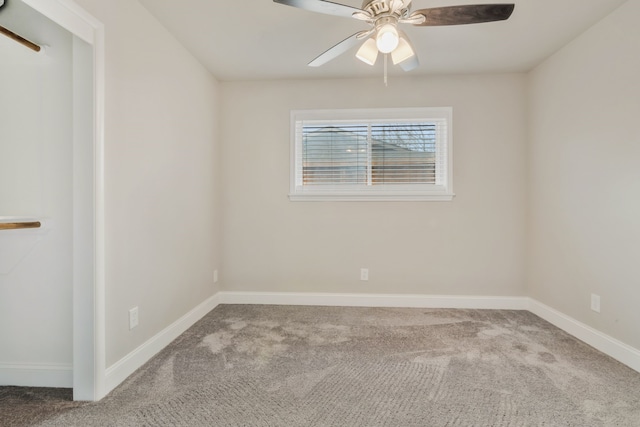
x=371, y=197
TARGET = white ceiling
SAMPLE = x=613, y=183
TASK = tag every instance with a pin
x=260, y=39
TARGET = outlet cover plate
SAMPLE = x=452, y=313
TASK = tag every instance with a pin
x=595, y=303
x=133, y=318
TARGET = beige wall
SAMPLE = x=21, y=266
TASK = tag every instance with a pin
x=161, y=173
x=584, y=230
x=471, y=246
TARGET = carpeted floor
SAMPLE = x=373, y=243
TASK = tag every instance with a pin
x=329, y=366
x=25, y=406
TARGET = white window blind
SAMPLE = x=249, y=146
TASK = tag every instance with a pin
x=371, y=154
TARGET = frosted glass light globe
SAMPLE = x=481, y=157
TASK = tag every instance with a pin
x=387, y=39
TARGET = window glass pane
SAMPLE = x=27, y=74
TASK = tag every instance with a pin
x=334, y=155
x=403, y=153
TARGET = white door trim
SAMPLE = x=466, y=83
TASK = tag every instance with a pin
x=89, y=348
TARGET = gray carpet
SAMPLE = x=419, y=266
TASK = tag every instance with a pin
x=325, y=366
x=25, y=406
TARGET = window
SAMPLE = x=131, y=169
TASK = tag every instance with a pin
x=376, y=154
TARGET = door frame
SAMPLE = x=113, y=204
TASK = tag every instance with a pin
x=89, y=340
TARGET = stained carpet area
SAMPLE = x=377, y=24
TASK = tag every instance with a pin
x=329, y=366
x=25, y=406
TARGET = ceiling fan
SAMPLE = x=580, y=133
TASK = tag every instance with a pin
x=383, y=17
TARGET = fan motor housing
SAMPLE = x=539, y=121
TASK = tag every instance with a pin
x=378, y=8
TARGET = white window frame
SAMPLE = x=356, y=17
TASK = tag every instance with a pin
x=442, y=191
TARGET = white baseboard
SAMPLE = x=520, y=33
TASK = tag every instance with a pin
x=36, y=375
x=608, y=345
x=374, y=300
x=120, y=370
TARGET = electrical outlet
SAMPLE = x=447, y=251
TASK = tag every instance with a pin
x=133, y=318
x=364, y=274
x=215, y=276
x=595, y=303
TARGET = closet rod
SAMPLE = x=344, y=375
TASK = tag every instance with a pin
x=19, y=39
x=18, y=225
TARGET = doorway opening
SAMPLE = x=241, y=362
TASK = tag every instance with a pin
x=56, y=154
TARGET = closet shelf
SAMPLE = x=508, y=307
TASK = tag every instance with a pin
x=19, y=224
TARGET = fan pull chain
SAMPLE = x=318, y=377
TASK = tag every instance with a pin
x=386, y=83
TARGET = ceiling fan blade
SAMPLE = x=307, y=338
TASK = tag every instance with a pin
x=322, y=6
x=460, y=15
x=337, y=50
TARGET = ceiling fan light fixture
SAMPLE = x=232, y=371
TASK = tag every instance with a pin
x=383, y=18
x=403, y=52
x=368, y=52
x=387, y=38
